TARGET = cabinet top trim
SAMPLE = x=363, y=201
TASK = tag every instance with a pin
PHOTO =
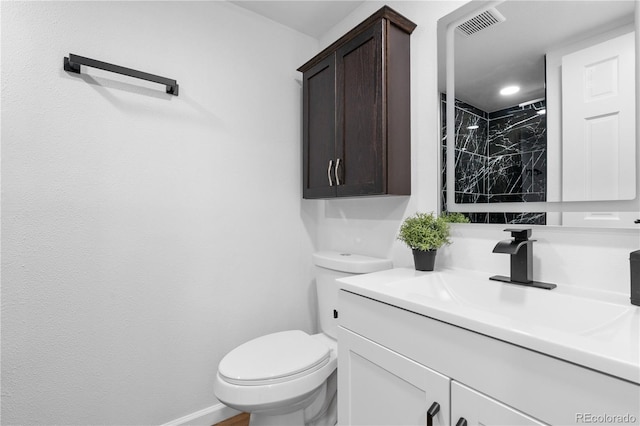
x=383, y=13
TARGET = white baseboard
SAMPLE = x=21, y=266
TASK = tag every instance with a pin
x=205, y=417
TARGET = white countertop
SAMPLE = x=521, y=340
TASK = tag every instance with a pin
x=596, y=330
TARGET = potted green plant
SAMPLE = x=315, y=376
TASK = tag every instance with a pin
x=425, y=233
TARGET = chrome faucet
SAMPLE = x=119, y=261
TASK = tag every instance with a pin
x=520, y=248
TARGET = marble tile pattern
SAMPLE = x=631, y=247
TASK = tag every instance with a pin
x=518, y=129
x=518, y=218
x=517, y=150
x=503, y=159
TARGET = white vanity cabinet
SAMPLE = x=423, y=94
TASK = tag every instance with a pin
x=478, y=409
x=382, y=387
x=394, y=364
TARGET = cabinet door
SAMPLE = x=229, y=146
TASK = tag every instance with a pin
x=381, y=387
x=360, y=100
x=319, y=130
x=479, y=409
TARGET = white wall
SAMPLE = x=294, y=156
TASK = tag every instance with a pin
x=127, y=214
x=146, y=235
x=589, y=259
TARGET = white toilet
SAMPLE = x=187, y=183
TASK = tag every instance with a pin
x=289, y=378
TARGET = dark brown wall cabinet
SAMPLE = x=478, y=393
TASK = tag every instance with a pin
x=356, y=113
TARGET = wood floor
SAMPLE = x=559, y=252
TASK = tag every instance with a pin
x=239, y=420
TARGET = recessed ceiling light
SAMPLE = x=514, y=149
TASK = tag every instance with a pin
x=509, y=90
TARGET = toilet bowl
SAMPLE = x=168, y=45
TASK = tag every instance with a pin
x=290, y=377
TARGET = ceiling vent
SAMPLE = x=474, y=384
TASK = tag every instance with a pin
x=479, y=22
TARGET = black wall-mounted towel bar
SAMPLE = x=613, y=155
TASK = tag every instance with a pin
x=73, y=62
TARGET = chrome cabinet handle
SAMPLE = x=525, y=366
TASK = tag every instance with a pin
x=329, y=172
x=431, y=412
x=336, y=172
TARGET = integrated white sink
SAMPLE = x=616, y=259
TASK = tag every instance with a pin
x=530, y=306
x=596, y=332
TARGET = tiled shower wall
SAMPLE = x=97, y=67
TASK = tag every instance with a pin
x=502, y=160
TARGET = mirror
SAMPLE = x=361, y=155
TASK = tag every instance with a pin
x=563, y=144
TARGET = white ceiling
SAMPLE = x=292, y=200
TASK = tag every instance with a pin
x=513, y=49
x=513, y=52
x=311, y=17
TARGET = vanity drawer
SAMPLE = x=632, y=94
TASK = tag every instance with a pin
x=546, y=388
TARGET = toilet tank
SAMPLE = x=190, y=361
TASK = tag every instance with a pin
x=329, y=266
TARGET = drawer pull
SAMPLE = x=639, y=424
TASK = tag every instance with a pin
x=431, y=412
x=462, y=422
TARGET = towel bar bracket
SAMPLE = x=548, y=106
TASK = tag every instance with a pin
x=73, y=62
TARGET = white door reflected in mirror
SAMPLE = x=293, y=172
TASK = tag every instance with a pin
x=598, y=126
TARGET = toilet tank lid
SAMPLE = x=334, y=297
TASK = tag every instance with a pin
x=350, y=263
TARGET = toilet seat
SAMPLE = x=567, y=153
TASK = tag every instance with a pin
x=274, y=358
